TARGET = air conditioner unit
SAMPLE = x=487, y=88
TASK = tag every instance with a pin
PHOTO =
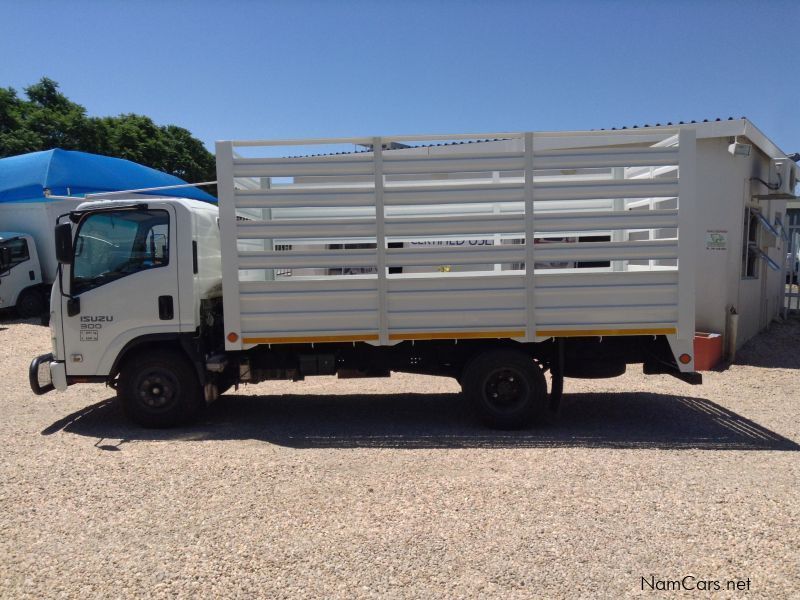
x=783, y=173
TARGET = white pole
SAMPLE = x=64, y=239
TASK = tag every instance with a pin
x=151, y=189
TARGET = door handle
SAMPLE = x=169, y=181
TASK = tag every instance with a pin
x=166, y=310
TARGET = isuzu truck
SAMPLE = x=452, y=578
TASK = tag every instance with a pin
x=28, y=239
x=506, y=261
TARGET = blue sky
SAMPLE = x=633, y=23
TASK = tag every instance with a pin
x=238, y=70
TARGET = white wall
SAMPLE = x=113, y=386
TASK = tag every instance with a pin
x=723, y=192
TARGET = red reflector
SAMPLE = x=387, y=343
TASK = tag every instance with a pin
x=685, y=359
x=232, y=337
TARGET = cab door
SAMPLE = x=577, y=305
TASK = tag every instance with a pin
x=22, y=272
x=123, y=284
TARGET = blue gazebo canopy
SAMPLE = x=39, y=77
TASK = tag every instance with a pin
x=25, y=178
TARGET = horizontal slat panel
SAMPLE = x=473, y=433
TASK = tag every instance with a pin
x=425, y=138
x=317, y=302
x=348, y=164
x=483, y=193
x=357, y=320
x=583, y=279
x=546, y=317
x=456, y=300
x=435, y=282
x=603, y=189
x=307, y=228
x=302, y=336
x=444, y=255
x=294, y=198
x=605, y=157
x=410, y=163
x=607, y=329
x=600, y=220
x=596, y=251
x=298, y=260
x=461, y=332
x=489, y=319
x=566, y=297
x=344, y=284
x=428, y=226
x=453, y=194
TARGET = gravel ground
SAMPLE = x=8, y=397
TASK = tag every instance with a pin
x=384, y=488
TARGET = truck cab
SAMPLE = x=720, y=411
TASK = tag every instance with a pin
x=21, y=276
x=132, y=278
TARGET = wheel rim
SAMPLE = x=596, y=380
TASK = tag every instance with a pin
x=157, y=390
x=505, y=390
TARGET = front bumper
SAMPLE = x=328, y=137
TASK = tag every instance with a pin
x=56, y=375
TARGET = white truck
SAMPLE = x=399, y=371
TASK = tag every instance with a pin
x=413, y=254
x=28, y=237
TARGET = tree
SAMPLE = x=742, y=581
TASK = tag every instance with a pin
x=48, y=119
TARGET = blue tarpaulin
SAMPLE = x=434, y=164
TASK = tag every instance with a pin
x=25, y=178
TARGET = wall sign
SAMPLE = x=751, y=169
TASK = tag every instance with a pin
x=716, y=239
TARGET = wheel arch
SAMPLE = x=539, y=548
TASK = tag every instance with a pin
x=539, y=352
x=182, y=343
x=39, y=289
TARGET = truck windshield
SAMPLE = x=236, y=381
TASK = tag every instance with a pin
x=112, y=245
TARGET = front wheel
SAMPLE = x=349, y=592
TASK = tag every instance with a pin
x=31, y=303
x=506, y=388
x=159, y=389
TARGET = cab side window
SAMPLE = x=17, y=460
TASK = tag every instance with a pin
x=115, y=244
x=19, y=251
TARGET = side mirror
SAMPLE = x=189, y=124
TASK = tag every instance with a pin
x=5, y=258
x=63, y=235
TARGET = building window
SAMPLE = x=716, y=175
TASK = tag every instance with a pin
x=283, y=272
x=750, y=253
x=352, y=270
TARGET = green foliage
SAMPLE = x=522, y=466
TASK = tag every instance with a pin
x=48, y=119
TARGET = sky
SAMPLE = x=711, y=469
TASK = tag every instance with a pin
x=267, y=70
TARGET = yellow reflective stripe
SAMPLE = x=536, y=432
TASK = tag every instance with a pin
x=603, y=332
x=455, y=335
x=361, y=337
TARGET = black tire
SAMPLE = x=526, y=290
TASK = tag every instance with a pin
x=506, y=388
x=31, y=303
x=159, y=389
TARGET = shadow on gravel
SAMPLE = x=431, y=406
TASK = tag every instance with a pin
x=774, y=348
x=407, y=421
x=9, y=316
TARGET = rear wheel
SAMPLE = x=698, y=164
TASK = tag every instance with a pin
x=31, y=303
x=159, y=389
x=506, y=388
